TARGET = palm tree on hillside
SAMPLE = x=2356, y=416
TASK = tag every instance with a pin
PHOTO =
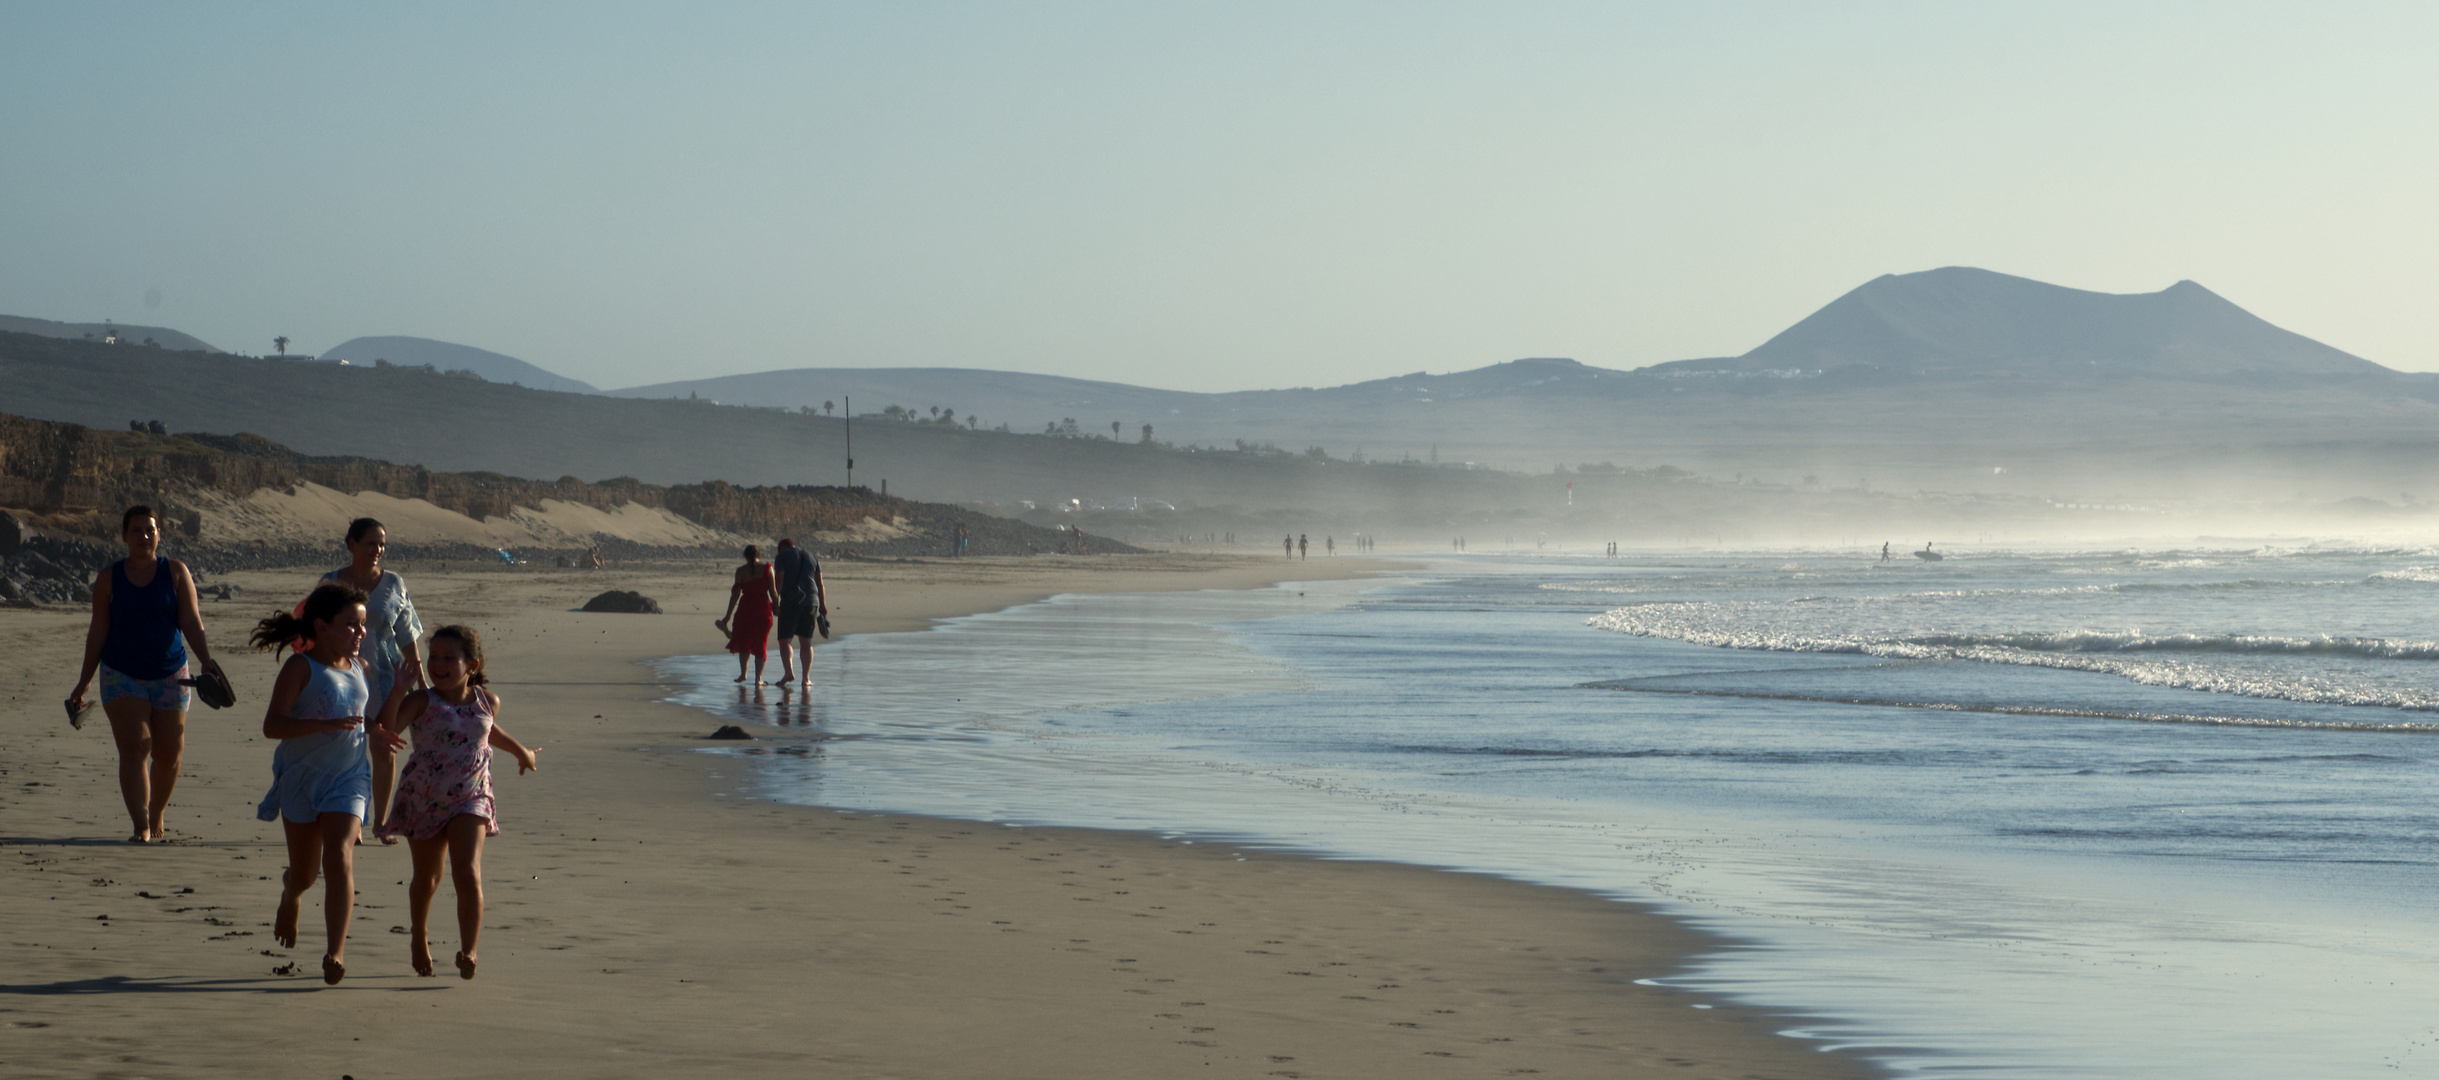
x=828, y=407
x=280, y=343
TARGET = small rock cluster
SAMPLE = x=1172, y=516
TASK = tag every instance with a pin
x=621, y=601
x=35, y=569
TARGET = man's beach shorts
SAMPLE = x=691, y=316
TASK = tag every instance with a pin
x=795, y=620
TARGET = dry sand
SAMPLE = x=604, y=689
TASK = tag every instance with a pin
x=646, y=921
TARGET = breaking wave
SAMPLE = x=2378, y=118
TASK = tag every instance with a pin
x=2189, y=661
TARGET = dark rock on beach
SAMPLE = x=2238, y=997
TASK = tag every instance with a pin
x=620, y=601
x=730, y=731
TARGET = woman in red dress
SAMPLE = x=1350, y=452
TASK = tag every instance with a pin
x=748, y=620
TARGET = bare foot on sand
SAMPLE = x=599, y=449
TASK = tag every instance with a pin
x=420, y=952
x=283, y=925
x=465, y=965
x=739, y=678
x=333, y=970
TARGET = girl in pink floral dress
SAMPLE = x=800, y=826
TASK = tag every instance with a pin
x=444, y=805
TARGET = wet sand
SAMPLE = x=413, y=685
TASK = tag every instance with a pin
x=644, y=918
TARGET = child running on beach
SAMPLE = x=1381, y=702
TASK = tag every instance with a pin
x=321, y=776
x=444, y=804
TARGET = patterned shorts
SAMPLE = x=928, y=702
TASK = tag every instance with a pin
x=164, y=693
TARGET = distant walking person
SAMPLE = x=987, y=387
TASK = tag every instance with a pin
x=1304, y=546
x=751, y=599
x=1289, y=546
x=145, y=619
x=1884, y=551
x=391, y=629
x=1329, y=545
x=804, y=608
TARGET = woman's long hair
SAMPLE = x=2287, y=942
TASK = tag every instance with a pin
x=323, y=604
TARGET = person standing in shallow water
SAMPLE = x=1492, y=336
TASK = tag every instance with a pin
x=391, y=629
x=752, y=598
x=802, y=604
x=145, y=621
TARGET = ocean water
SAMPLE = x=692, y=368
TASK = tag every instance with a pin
x=2028, y=814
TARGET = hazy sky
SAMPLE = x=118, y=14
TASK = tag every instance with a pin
x=1194, y=196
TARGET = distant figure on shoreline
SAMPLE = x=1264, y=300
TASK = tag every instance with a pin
x=145, y=620
x=1884, y=551
x=804, y=607
x=1329, y=545
x=751, y=600
x=1288, y=547
x=391, y=629
x=1304, y=546
x=957, y=541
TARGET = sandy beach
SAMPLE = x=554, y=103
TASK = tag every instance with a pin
x=644, y=919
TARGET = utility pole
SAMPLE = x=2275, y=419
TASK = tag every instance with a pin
x=850, y=443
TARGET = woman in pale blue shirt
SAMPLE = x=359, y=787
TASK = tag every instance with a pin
x=391, y=630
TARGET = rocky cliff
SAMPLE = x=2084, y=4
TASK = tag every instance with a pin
x=64, y=486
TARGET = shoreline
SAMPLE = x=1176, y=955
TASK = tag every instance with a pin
x=644, y=915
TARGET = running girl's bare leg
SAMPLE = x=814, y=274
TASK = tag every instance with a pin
x=304, y=864
x=338, y=834
x=429, y=856
x=465, y=835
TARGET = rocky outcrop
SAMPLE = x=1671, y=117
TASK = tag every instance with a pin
x=68, y=485
x=623, y=602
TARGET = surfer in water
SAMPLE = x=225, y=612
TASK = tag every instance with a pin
x=1884, y=551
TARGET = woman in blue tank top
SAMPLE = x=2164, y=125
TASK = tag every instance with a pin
x=145, y=621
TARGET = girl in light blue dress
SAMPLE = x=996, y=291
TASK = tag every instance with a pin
x=321, y=776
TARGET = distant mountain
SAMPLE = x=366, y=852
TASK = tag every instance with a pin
x=1950, y=380
x=411, y=351
x=1961, y=322
x=160, y=336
